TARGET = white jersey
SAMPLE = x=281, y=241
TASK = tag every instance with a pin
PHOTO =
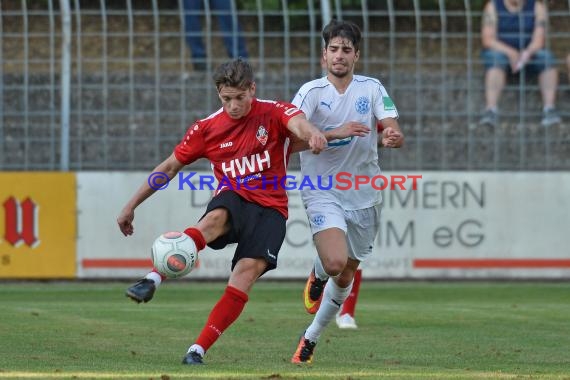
x=365, y=101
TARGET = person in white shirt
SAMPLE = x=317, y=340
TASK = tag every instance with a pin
x=344, y=223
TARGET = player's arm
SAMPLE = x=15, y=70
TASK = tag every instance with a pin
x=307, y=132
x=391, y=136
x=166, y=169
x=351, y=128
x=298, y=145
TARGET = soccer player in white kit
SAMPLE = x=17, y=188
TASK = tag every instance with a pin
x=344, y=223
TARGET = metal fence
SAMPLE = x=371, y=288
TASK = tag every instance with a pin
x=110, y=85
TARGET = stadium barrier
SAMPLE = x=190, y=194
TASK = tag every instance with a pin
x=454, y=225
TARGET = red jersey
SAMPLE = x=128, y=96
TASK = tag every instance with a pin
x=248, y=155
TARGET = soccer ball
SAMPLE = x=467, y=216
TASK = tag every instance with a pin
x=174, y=254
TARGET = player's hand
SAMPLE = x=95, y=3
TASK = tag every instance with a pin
x=391, y=138
x=125, y=221
x=352, y=128
x=317, y=142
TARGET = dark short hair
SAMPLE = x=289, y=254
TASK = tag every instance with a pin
x=342, y=29
x=237, y=73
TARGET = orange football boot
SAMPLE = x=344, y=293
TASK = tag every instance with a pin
x=313, y=293
x=304, y=353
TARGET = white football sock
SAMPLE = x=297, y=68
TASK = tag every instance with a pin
x=154, y=277
x=197, y=348
x=333, y=298
x=319, y=270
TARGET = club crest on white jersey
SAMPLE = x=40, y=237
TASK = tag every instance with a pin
x=362, y=105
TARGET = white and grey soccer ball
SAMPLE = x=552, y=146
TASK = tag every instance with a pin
x=174, y=254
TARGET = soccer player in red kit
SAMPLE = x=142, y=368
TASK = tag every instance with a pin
x=248, y=142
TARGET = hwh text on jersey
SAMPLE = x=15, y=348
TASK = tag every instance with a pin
x=246, y=165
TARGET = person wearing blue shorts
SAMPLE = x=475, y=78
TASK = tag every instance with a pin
x=513, y=38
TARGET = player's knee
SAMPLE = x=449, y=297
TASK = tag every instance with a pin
x=215, y=219
x=334, y=267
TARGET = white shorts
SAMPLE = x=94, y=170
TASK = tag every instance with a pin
x=360, y=226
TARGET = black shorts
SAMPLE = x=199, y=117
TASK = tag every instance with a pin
x=259, y=231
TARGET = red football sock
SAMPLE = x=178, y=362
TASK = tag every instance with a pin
x=349, y=305
x=197, y=236
x=226, y=311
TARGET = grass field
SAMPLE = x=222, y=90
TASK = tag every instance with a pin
x=406, y=331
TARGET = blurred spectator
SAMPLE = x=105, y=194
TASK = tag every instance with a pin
x=231, y=33
x=513, y=37
x=568, y=65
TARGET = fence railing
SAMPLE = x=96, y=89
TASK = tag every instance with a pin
x=120, y=92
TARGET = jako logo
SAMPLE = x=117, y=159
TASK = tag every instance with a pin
x=21, y=222
x=226, y=144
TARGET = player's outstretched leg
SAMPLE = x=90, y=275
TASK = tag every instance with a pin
x=345, y=318
x=143, y=290
x=313, y=292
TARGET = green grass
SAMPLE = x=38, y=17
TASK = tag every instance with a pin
x=406, y=331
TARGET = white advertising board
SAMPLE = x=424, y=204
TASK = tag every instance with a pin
x=452, y=225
